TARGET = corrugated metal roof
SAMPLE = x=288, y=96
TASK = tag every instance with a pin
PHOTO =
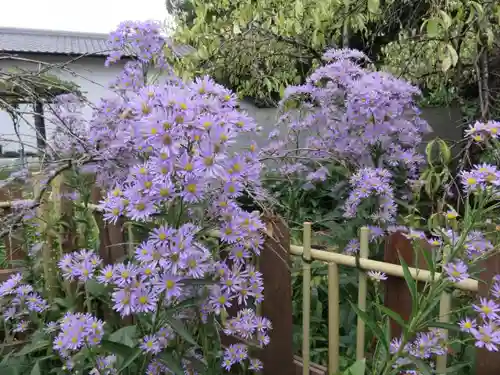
x=62, y=42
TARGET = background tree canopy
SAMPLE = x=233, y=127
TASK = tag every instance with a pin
x=258, y=47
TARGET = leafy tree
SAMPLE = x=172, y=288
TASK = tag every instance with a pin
x=258, y=47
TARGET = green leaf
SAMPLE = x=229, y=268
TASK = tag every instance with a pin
x=373, y=6
x=33, y=347
x=181, y=330
x=172, y=364
x=432, y=27
x=454, y=369
x=95, y=289
x=448, y=326
x=424, y=368
x=126, y=335
x=374, y=327
x=36, y=369
x=447, y=21
x=446, y=65
x=393, y=315
x=129, y=360
x=122, y=350
x=357, y=368
x=412, y=285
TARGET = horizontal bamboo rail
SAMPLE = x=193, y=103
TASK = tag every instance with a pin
x=373, y=265
x=329, y=257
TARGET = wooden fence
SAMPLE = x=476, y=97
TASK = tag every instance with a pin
x=275, y=265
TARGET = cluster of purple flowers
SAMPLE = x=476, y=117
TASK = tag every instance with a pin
x=483, y=131
x=80, y=265
x=480, y=178
x=372, y=182
x=425, y=346
x=350, y=114
x=248, y=326
x=105, y=366
x=77, y=330
x=17, y=302
x=144, y=40
x=485, y=328
x=166, y=147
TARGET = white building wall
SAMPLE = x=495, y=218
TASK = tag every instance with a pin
x=89, y=73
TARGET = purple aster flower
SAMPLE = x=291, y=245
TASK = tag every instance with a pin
x=377, y=276
x=467, y=325
x=487, y=308
x=487, y=337
x=150, y=344
x=456, y=271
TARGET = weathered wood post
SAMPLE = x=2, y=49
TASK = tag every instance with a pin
x=275, y=265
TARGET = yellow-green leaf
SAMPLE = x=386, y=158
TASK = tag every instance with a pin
x=373, y=6
x=446, y=64
x=432, y=27
x=452, y=54
x=447, y=21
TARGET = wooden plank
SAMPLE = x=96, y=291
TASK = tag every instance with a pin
x=488, y=363
x=275, y=265
x=111, y=236
x=14, y=249
x=5, y=274
x=314, y=369
x=397, y=296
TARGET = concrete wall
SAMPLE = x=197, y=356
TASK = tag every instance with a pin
x=444, y=121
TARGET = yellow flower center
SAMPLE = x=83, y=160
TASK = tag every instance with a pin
x=183, y=106
x=207, y=124
x=143, y=300
x=162, y=236
x=146, y=110
x=154, y=131
x=188, y=167
x=471, y=181
x=191, y=188
x=164, y=192
x=148, y=184
x=116, y=211
x=140, y=206
x=486, y=309
x=169, y=284
x=167, y=140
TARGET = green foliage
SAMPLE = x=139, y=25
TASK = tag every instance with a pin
x=260, y=47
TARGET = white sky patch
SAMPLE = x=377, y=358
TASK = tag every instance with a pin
x=100, y=16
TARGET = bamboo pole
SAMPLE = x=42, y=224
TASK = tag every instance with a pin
x=444, y=317
x=333, y=318
x=362, y=292
x=42, y=214
x=306, y=298
x=373, y=265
